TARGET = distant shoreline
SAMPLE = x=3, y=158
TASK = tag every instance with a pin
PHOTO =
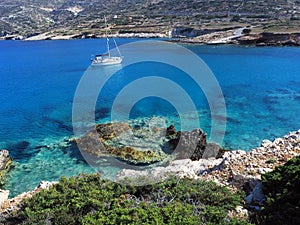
x=214, y=38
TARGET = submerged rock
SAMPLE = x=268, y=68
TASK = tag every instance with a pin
x=140, y=144
x=122, y=141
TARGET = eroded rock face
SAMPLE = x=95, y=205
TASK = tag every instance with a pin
x=146, y=145
x=270, y=39
x=3, y=198
x=5, y=160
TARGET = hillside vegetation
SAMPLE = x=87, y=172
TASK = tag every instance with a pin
x=89, y=199
x=29, y=17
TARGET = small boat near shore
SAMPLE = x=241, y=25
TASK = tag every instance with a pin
x=107, y=58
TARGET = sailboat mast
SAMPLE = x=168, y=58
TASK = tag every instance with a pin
x=107, y=40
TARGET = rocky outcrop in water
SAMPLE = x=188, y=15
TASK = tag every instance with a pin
x=146, y=145
x=191, y=144
x=234, y=169
x=118, y=140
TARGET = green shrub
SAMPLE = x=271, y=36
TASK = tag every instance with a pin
x=89, y=199
x=282, y=189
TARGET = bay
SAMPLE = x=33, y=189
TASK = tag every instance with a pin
x=38, y=81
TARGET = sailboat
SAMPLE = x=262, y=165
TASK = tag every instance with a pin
x=107, y=58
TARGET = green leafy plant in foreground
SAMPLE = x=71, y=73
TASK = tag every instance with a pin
x=281, y=187
x=89, y=199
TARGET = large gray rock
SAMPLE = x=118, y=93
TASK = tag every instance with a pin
x=192, y=145
x=188, y=144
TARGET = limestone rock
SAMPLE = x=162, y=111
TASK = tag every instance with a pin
x=5, y=161
x=45, y=184
x=3, y=197
x=13, y=204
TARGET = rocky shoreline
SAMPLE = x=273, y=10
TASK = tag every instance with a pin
x=237, y=170
x=243, y=36
x=5, y=161
x=233, y=35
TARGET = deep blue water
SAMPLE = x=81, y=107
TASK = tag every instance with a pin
x=38, y=81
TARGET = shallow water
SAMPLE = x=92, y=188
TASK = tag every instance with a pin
x=38, y=81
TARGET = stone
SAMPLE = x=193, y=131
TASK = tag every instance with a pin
x=263, y=170
x=193, y=143
x=258, y=195
x=46, y=184
x=171, y=130
x=212, y=151
x=3, y=196
x=5, y=161
x=242, y=212
x=266, y=143
x=188, y=144
x=142, y=144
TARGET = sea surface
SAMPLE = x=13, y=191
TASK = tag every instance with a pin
x=39, y=79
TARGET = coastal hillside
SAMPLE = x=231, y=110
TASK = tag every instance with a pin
x=26, y=18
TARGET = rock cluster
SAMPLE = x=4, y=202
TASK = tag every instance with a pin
x=146, y=145
x=5, y=161
x=118, y=139
x=235, y=169
x=239, y=167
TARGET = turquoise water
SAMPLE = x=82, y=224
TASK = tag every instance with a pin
x=38, y=81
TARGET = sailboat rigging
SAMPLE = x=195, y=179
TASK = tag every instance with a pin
x=107, y=58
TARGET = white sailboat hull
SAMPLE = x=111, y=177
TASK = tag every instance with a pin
x=107, y=61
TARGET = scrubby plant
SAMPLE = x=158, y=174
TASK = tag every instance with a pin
x=89, y=199
x=282, y=189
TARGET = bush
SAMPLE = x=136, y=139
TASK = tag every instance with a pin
x=281, y=187
x=89, y=199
